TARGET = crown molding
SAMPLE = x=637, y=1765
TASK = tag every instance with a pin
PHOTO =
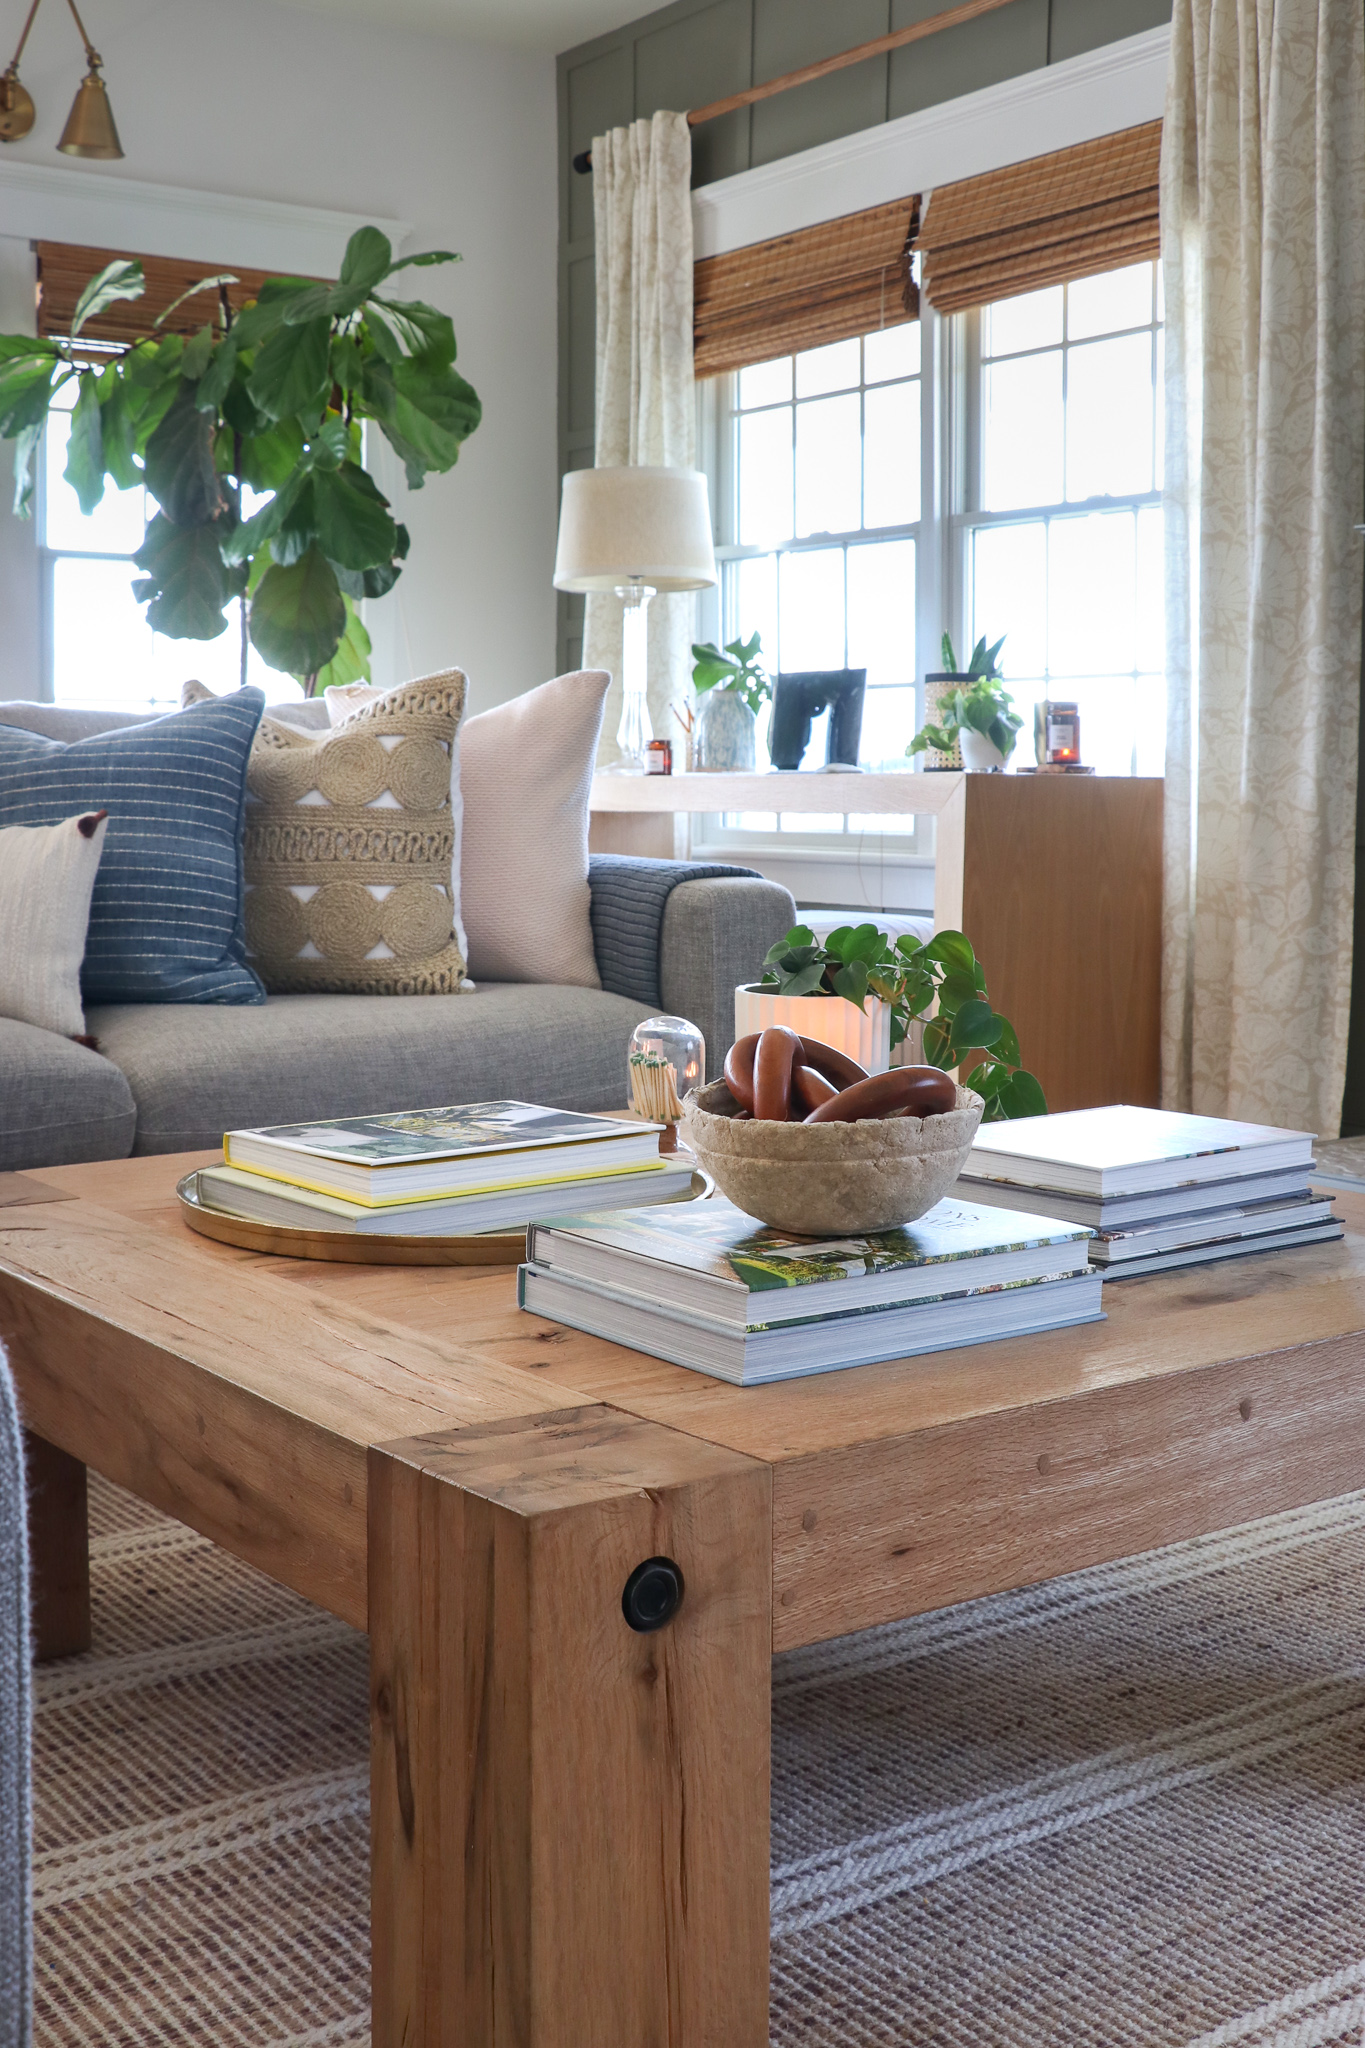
x=39, y=202
x=1083, y=97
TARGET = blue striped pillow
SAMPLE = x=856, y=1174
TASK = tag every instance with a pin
x=166, y=914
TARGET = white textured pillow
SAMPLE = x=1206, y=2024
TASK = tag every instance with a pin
x=525, y=777
x=46, y=875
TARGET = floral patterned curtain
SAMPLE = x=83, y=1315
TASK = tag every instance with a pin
x=1263, y=239
x=645, y=395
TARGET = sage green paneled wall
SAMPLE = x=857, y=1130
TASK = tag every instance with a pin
x=698, y=50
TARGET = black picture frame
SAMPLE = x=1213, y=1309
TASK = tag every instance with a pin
x=800, y=697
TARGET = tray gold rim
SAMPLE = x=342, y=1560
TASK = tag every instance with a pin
x=339, y=1247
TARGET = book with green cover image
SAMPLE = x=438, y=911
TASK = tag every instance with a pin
x=406, y=1136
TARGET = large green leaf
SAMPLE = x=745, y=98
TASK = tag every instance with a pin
x=246, y=541
x=26, y=388
x=265, y=317
x=270, y=458
x=216, y=381
x=291, y=373
x=379, y=580
x=120, y=402
x=368, y=258
x=298, y=529
x=186, y=580
x=205, y=284
x=179, y=465
x=26, y=444
x=428, y=256
x=428, y=334
x=13, y=346
x=351, y=662
x=198, y=354
x=354, y=528
x=120, y=279
x=425, y=414
x=85, y=447
x=298, y=615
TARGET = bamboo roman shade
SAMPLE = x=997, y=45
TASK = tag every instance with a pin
x=1071, y=214
x=64, y=271
x=822, y=284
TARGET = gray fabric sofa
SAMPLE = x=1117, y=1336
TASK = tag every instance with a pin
x=173, y=1078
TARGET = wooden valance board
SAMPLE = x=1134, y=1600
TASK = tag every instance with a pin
x=1072, y=214
x=64, y=270
x=822, y=284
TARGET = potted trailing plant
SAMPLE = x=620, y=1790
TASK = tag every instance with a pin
x=735, y=687
x=976, y=714
x=865, y=994
x=266, y=403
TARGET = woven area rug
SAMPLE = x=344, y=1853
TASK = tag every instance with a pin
x=1124, y=1810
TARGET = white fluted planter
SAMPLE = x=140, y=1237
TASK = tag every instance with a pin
x=865, y=1035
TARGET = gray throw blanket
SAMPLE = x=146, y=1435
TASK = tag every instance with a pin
x=16, y=1901
x=629, y=898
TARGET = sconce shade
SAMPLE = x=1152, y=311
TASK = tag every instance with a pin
x=16, y=107
x=651, y=526
x=90, y=129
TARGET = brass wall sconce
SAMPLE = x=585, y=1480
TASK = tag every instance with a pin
x=89, y=129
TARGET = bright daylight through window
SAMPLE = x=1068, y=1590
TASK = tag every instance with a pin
x=1050, y=532
x=99, y=648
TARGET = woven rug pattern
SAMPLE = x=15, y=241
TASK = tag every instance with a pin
x=1123, y=1810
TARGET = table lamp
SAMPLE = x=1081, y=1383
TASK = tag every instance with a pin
x=634, y=532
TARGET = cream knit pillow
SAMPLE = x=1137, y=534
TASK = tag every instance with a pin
x=46, y=875
x=348, y=844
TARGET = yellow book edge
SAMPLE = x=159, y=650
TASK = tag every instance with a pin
x=497, y=1187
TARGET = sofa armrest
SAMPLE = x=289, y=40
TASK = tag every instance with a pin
x=715, y=934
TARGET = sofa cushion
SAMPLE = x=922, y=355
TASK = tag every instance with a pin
x=46, y=875
x=166, y=912
x=350, y=843
x=525, y=779
x=59, y=1103
x=198, y=1073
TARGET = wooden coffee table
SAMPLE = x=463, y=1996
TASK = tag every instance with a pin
x=570, y=1817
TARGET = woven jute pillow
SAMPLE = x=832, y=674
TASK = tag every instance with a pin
x=348, y=844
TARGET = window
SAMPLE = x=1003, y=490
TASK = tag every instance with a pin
x=99, y=648
x=833, y=544
x=1068, y=433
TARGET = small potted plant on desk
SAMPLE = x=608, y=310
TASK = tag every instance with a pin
x=865, y=995
x=977, y=716
x=735, y=687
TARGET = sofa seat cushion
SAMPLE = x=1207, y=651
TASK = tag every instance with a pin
x=59, y=1103
x=197, y=1073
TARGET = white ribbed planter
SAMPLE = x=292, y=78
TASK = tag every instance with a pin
x=865, y=1035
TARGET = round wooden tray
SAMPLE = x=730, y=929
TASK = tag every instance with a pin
x=344, y=1247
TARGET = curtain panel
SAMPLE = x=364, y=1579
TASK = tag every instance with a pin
x=826, y=283
x=1263, y=233
x=1054, y=218
x=642, y=212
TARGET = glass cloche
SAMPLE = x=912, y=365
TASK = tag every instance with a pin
x=667, y=1058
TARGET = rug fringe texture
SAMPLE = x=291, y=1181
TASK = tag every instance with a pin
x=1122, y=1810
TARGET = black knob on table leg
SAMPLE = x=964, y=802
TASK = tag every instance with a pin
x=653, y=1594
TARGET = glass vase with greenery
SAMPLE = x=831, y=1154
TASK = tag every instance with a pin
x=915, y=978
x=735, y=687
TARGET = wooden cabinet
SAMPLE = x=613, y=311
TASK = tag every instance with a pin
x=1056, y=880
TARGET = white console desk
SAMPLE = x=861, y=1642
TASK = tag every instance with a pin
x=1056, y=880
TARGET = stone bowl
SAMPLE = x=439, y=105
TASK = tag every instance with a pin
x=830, y=1180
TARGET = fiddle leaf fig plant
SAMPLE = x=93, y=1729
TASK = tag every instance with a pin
x=247, y=436
x=736, y=667
x=915, y=977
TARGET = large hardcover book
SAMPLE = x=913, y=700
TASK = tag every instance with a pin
x=425, y=1154
x=710, y=1259
x=754, y=1355
x=1123, y=1150
x=1206, y=1254
x=1144, y=1211
x=1212, y=1230
x=239, y=1193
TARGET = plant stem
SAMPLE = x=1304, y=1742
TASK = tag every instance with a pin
x=241, y=674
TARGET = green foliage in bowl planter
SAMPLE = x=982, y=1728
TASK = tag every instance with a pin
x=912, y=976
x=271, y=399
x=984, y=706
x=736, y=667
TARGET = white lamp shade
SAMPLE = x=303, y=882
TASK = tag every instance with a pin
x=625, y=525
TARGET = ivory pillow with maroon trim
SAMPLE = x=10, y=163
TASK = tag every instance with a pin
x=47, y=874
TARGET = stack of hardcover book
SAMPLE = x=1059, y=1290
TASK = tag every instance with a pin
x=1159, y=1189
x=465, y=1170
x=707, y=1287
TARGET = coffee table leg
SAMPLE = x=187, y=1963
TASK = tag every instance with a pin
x=58, y=1550
x=570, y=1817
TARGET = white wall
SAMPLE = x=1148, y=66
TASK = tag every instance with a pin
x=269, y=102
